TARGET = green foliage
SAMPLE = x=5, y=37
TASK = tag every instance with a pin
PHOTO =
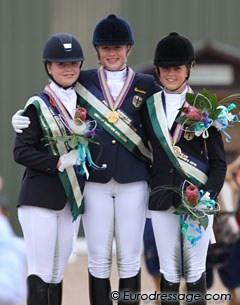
x=73, y=140
x=202, y=101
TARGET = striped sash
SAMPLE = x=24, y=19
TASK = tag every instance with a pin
x=186, y=168
x=120, y=130
x=52, y=126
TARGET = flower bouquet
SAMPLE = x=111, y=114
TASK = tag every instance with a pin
x=81, y=130
x=194, y=209
x=80, y=133
x=205, y=110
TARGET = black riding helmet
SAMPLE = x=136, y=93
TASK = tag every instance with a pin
x=174, y=50
x=112, y=31
x=62, y=47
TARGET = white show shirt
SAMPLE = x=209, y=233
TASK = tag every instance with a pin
x=115, y=81
x=67, y=96
x=173, y=103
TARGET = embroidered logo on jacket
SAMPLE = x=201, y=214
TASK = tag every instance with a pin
x=137, y=101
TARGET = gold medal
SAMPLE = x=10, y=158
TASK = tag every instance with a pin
x=177, y=151
x=113, y=117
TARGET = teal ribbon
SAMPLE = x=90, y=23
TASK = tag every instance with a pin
x=186, y=221
x=85, y=157
x=224, y=118
x=230, y=107
x=185, y=228
x=82, y=158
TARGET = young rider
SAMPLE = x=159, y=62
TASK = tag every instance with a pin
x=171, y=145
x=51, y=189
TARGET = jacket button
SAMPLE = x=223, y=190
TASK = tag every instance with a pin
x=113, y=141
x=171, y=171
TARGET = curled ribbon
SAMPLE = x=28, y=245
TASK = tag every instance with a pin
x=225, y=116
x=194, y=214
x=85, y=157
x=185, y=228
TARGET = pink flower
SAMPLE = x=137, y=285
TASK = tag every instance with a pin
x=192, y=194
x=192, y=113
x=80, y=115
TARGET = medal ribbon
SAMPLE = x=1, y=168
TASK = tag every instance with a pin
x=50, y=127
x=159, y=123
x=113, y=105
x=123, y=133
x=179, y=130
x=84, y=153
x=59, y=105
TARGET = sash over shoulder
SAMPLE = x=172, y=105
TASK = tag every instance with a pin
x=123, y=133
x=187, y=168
x=51, y=126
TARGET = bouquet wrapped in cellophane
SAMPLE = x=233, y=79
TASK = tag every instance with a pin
x=196, y=205
x=81, y=132
x=204, y=110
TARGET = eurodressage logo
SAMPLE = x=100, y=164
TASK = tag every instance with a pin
x=130, y=296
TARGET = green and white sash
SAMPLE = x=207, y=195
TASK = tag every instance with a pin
x=120, y=130
x=159, y=123
x=52, y=126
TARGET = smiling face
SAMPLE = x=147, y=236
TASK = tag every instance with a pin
x=113, y=58
x=64, y=73
x=174, y=79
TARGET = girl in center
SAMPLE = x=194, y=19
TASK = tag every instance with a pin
x=115, y=198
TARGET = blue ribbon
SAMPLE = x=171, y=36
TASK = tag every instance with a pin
x=85, y=156
x=184, y=230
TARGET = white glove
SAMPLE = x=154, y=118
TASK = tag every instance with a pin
x=69, y=159
x=20, y=122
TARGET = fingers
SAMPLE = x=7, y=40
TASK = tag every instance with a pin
x=19, y=121
x=19, y=112
x=18, y=130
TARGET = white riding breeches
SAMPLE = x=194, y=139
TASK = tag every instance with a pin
x=176, y=254
x=49, y=237
x=114, y=210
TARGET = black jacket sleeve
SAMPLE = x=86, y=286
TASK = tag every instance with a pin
x=29, y=149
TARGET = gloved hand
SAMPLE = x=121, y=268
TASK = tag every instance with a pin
x=20, y=122
x=69, y=159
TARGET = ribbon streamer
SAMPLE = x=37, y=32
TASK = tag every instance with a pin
x=212, y=114
x=84, y=158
